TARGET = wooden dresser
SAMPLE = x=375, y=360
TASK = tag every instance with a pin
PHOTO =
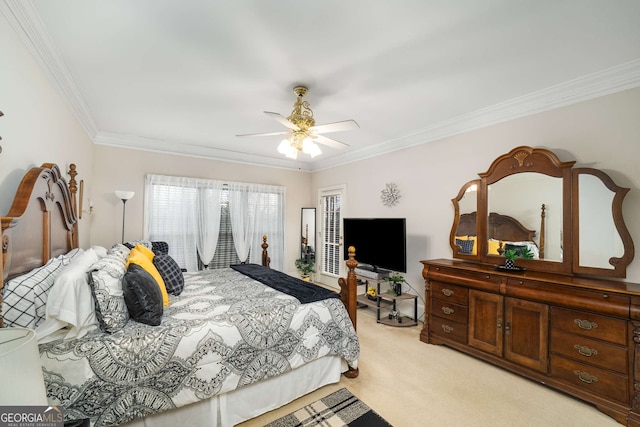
x=580, y=336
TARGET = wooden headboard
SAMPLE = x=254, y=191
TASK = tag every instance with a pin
x=42, y=222
x=501, y=227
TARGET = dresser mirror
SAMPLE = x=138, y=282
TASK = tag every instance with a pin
x=603, y=242
x=569, y=218
x=308, y=233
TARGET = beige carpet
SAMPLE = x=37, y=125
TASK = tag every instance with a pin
x=411, y=383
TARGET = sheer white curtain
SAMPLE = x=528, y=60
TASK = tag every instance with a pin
x=184, y=212
x=171, y=216
x=209, y=195
x=257, y=210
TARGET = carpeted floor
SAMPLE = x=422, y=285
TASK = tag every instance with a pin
x=340, y=408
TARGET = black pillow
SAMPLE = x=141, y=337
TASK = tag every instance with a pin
x=170, y=272
x=142, y=296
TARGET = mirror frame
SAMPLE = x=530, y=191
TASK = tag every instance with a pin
x=456, y=220
x=619, y=264
x=540, y=160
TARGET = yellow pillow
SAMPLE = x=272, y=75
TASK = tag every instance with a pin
x=493, y=247
x=145, y=250
x=138, y=257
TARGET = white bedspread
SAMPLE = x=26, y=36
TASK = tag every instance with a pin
x=223, y=332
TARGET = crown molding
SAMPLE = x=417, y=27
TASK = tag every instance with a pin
x=133, y=142
x=25, y=21
x=606, y=82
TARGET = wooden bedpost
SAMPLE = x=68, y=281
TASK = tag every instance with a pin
x=266, y=261
x=348, y=295
x=73, y=189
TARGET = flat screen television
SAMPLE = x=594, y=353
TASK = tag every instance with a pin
x=381, y=243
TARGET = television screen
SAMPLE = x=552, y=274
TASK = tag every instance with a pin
x=379, y=242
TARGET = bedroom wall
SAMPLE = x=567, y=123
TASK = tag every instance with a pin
x=37, y=126
x=603, y=133
x=124, y=169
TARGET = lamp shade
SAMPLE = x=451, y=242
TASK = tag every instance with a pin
x=124, y=195
x=22, y=380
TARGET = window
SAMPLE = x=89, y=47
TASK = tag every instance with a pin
x=331, y=233
x=222, y=221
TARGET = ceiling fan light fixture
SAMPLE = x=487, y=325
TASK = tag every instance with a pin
x=287, y=149
x=315, y=150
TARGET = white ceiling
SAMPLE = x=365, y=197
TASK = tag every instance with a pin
x=187, y=76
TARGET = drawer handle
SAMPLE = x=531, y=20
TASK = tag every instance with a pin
x=586, y=377
x=447, y=310
x=586, y=351
x=585, y=324
x=447, y=329
x=447, y=292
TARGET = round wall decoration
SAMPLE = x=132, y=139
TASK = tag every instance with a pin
x=390, y=196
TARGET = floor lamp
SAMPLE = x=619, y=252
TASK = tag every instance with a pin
x=124, y=196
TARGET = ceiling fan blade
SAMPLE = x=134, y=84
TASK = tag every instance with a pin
x=335, y=127
x=283, y=120
x=263, y=134
x=329, y=142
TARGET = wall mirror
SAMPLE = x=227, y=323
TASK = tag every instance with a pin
x=571, y=218
x=308, y=233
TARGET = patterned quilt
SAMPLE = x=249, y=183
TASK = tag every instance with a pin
x=223, y=332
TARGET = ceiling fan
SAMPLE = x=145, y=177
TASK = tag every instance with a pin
x=303, y=132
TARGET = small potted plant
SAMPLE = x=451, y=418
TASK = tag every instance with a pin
x=305, y=267
x=395, y=281
x=511, y=255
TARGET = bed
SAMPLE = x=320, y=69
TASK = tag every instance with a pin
x=504, y=232
x=229, y=345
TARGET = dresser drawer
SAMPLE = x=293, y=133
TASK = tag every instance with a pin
x=591, y=379
x=476, y=279
x=448, y=329
x=590, y=325
x=590, y=351
x=448, y=292
x=449, y=310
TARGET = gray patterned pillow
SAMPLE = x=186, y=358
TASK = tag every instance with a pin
x=106, y=285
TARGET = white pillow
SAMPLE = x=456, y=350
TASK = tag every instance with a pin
x=70, y=310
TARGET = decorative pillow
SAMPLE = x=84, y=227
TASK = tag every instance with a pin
x=145, y=250
x=132, y=244
x=25, y=296
x=494, y=245
x=466, y=246
x=474, y=251
x=160, y=248
x=138, y=257
x=106, y=285
x=170, y=272
x=142, y=296
x=70, y=311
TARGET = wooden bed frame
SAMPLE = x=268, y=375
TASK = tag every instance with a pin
x=42, y=223
x=503, y=228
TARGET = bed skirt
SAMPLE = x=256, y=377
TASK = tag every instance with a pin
x=239, y=405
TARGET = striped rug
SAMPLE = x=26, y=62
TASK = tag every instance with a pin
x=337, y=409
